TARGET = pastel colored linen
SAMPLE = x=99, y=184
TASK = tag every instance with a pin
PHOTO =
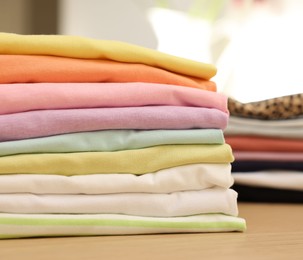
x=35, y=69
x=129, y=161
x=80, y=47
x=52, y=122
x=54, y=225
x=181, y=178
x=259, y=143
x=290, y=128
x=268, y=156
x=276, y=179
x=110, y=140
x=46, y=96
x=174, y=204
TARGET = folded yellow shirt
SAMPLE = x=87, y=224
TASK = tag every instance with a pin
x=138, y=161
x=80, y=47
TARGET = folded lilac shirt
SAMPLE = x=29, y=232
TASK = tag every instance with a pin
x=52, y=122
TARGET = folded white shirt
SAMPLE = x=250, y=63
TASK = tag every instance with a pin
x=290, y=128
x=184, y=203
x=182, y=178
x=290, y=180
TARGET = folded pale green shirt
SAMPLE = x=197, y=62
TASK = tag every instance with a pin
x=54, y=225
x=137, y=161
x=110, y=140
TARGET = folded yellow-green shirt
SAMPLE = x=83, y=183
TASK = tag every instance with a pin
x=80, y=47
x=138, y=161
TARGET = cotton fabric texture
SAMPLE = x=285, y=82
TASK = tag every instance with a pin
x=290, y=180
x=182, y=178
x=54, y=225
x=137, y=161
x=174, y=204
x=266, y=137
x=291, y=128
x=110, y=140
x=84, y=48
x=268, y=156
x=17, y=98
x=102, y=137
x=35, y=69
x=266, y=144
x=54, y=122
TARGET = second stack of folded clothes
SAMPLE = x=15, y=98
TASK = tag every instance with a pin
x=267, y=140
x=101, y=137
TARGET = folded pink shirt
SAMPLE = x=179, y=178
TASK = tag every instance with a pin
x=27, y=97
x=268, y=156
x=52, y=122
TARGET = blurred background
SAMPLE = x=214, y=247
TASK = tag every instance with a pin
x=255, y=44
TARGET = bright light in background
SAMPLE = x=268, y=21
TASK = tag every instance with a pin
x=180, y=34
x=257, y=45
x=263, y=57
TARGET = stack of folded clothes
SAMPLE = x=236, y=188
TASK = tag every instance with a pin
x=102, y=137
x=267, y=140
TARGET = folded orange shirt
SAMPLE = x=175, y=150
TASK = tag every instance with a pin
x=254, y=143
x=32, y=68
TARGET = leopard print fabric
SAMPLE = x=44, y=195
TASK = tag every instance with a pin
x=285, y=107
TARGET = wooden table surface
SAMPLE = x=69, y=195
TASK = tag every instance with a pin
x=275, y=231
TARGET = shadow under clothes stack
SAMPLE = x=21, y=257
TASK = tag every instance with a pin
x=104, y=138
x=267, y=140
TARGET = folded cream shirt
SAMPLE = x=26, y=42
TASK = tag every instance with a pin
x=182, y=178
x=183, y=203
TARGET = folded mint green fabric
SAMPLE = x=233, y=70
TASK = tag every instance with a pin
x=110, y=140
x=54, y=225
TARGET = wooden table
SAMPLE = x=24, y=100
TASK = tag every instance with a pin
x=275, y=231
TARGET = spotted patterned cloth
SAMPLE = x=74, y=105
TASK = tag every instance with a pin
x=284, y=107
